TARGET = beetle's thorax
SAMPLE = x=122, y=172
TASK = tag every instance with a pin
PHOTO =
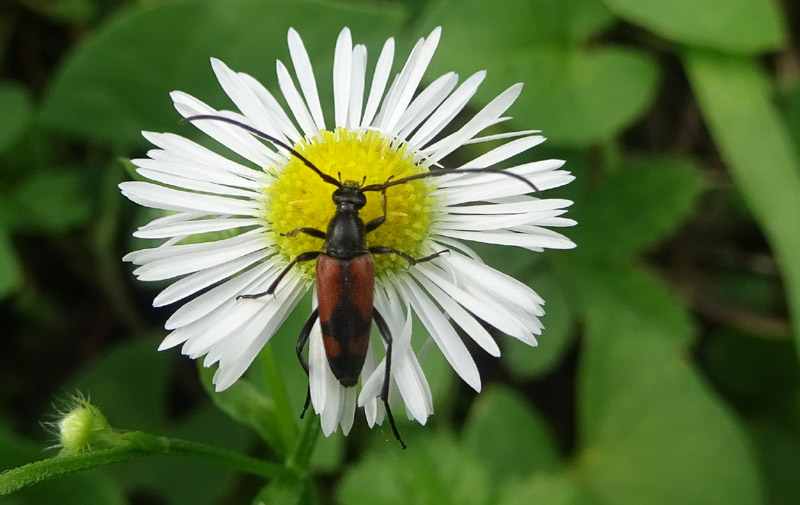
x=346, y=234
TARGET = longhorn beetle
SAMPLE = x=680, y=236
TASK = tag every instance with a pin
x=345, y=272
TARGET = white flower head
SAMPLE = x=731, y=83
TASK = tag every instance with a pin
x=377, y=133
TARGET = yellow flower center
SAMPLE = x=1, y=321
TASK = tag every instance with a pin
x=299, y=198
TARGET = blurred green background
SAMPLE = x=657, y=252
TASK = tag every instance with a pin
x=668, y=372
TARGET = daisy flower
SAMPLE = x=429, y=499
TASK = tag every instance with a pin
x=225, y=230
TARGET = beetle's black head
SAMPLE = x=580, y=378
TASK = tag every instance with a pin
x=350, y=194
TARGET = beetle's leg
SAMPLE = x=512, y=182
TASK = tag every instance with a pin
x=382, y=249
x=308, y=231
x=302, y=340
x=306, y=256
x=383, y=328
x=379, y=220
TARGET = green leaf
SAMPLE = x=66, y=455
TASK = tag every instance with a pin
x=17, y=113
x=753, y=371
x=621, y=288
x=68, y=202
x=778, y=447
x=128, y=385
x=638, y=206
x=63, y=10
x=516, y=24
x=739, y=26
x=244, y=403
x=433, y=471
x=10, y=268
x=527, y=362
x=736, y=100
x=289, y=490
x=508, y=436
x=791, y=115
x=577, y=96
x=652, y=431
x=542, y=488
x=122, y=79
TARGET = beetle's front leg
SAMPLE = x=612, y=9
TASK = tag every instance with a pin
x=380, y=220
x=308, y=231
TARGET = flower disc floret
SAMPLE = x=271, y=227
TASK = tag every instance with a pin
x=299, y=198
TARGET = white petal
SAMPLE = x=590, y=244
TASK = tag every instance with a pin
x=244, y=98
x=426, y=103
x=348, y=410
x=168, y=268
x=159, y=197
x=370, y=403
x=274, y=109
x=536, y=240
x=458, y=246
x=409, y=79
x=296, y=104
x=379, y=79
x=523, y=205
x=192, y=227
x=501, y=136
x=442, y=332
x=357, y=85
x=502, y=187
x=482, y=306
x=305, y=76
x=342, y=73
x=234, y=363
x=228, y=342
x=195, y=282
x=195, y=169
x=230, y=136
x=504, y=152
x=181, y=151
x=196, y=185
x=169, y=250
x=454, y=178
x=481, y=223
x=478, y=123
x=204, y=304
x=467, y=323
x=406, y=372
x=448, y=110
x=318, y=370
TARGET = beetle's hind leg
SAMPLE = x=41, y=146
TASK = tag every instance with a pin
x=302, y=340
x=383, y=328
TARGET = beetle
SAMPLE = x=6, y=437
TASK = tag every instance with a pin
x=345, y=272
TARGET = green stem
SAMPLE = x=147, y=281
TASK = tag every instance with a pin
x=138, y=445
x=300, y=456
x=26, y=475
x=286, y=420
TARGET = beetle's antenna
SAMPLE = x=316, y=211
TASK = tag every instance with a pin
x=258, y=133
x=437, y=173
